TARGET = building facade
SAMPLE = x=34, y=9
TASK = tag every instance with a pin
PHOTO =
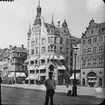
x=48, y=48
x=93, y=55
x=13, y=64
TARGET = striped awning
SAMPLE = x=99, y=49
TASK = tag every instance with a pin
x=61, y=67
x=42, y=67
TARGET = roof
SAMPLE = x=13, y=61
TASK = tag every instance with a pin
x=19, y=49
x=2, y=52
x=75, y=39
x=53, y=28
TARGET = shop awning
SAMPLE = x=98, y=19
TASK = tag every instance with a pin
x=12, y=74
x=47, y=56
x=35, y=76
x=61, y=67
x=42, y=57
x=91, y=77
x=61, y=57
x=33, y=58
x=51, y=57
x=27, y=60
x=77, y=76
x=42, y=67
x=55, y=57
x=31, y=67
x=36, y=67
x=30, y=76
x=92, y=80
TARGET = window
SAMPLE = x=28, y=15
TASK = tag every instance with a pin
x=48, y=39
x=101, y=49
x=94, y=50
x=83, y=63
x=61, y=48
x=51, y=47
x=100, y=38
x=43, y=49
x=32, y=71
x=101, y=61
x=43, y=40
x=32, y=62
x=48, y=48
x=89, y=51
x=67, y=59
x=28, y=44
x=28, y=52
x=43, y=71
x=54, y=48
x=94, y=61
x=89, y=62
x=67, y=50
x=36, y=50
x=32, y=51
x=67, y=41
x=83, y=51
x=61, y=41
x=51, y=40
x=100, y=81
x=55, y=40
x=94, y=39
x=89, y=41
x=42, y=61
x=92, y=31
x=32, y=43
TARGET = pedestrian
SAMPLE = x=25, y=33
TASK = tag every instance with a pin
x=50, y=85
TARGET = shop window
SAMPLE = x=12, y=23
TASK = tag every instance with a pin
x=43, y=71
x=32, y=71
x=83, y=82
x=100, y=81
x=32, y=62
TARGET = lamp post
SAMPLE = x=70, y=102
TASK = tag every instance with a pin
x=74, y=88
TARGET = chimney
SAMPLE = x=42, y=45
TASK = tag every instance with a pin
x=58, y=25
x=22, y=46
x=10, y=46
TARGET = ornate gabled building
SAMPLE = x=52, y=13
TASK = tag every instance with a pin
x=13, y=64
x=93, y=55
x=48, y=46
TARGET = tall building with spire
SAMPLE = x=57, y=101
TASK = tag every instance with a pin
x=48, y=48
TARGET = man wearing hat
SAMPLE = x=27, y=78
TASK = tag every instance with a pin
x=50, y=85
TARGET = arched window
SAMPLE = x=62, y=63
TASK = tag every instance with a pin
x=91, y=74
x=51, y=67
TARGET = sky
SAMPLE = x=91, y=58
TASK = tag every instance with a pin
x=16, y=16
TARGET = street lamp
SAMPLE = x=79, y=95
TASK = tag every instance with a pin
x=74, y=88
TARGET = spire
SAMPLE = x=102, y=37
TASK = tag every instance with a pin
x=30, y=26
x=52, y=20
x=29, y=31
x=39, y=8
x=39, y=3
